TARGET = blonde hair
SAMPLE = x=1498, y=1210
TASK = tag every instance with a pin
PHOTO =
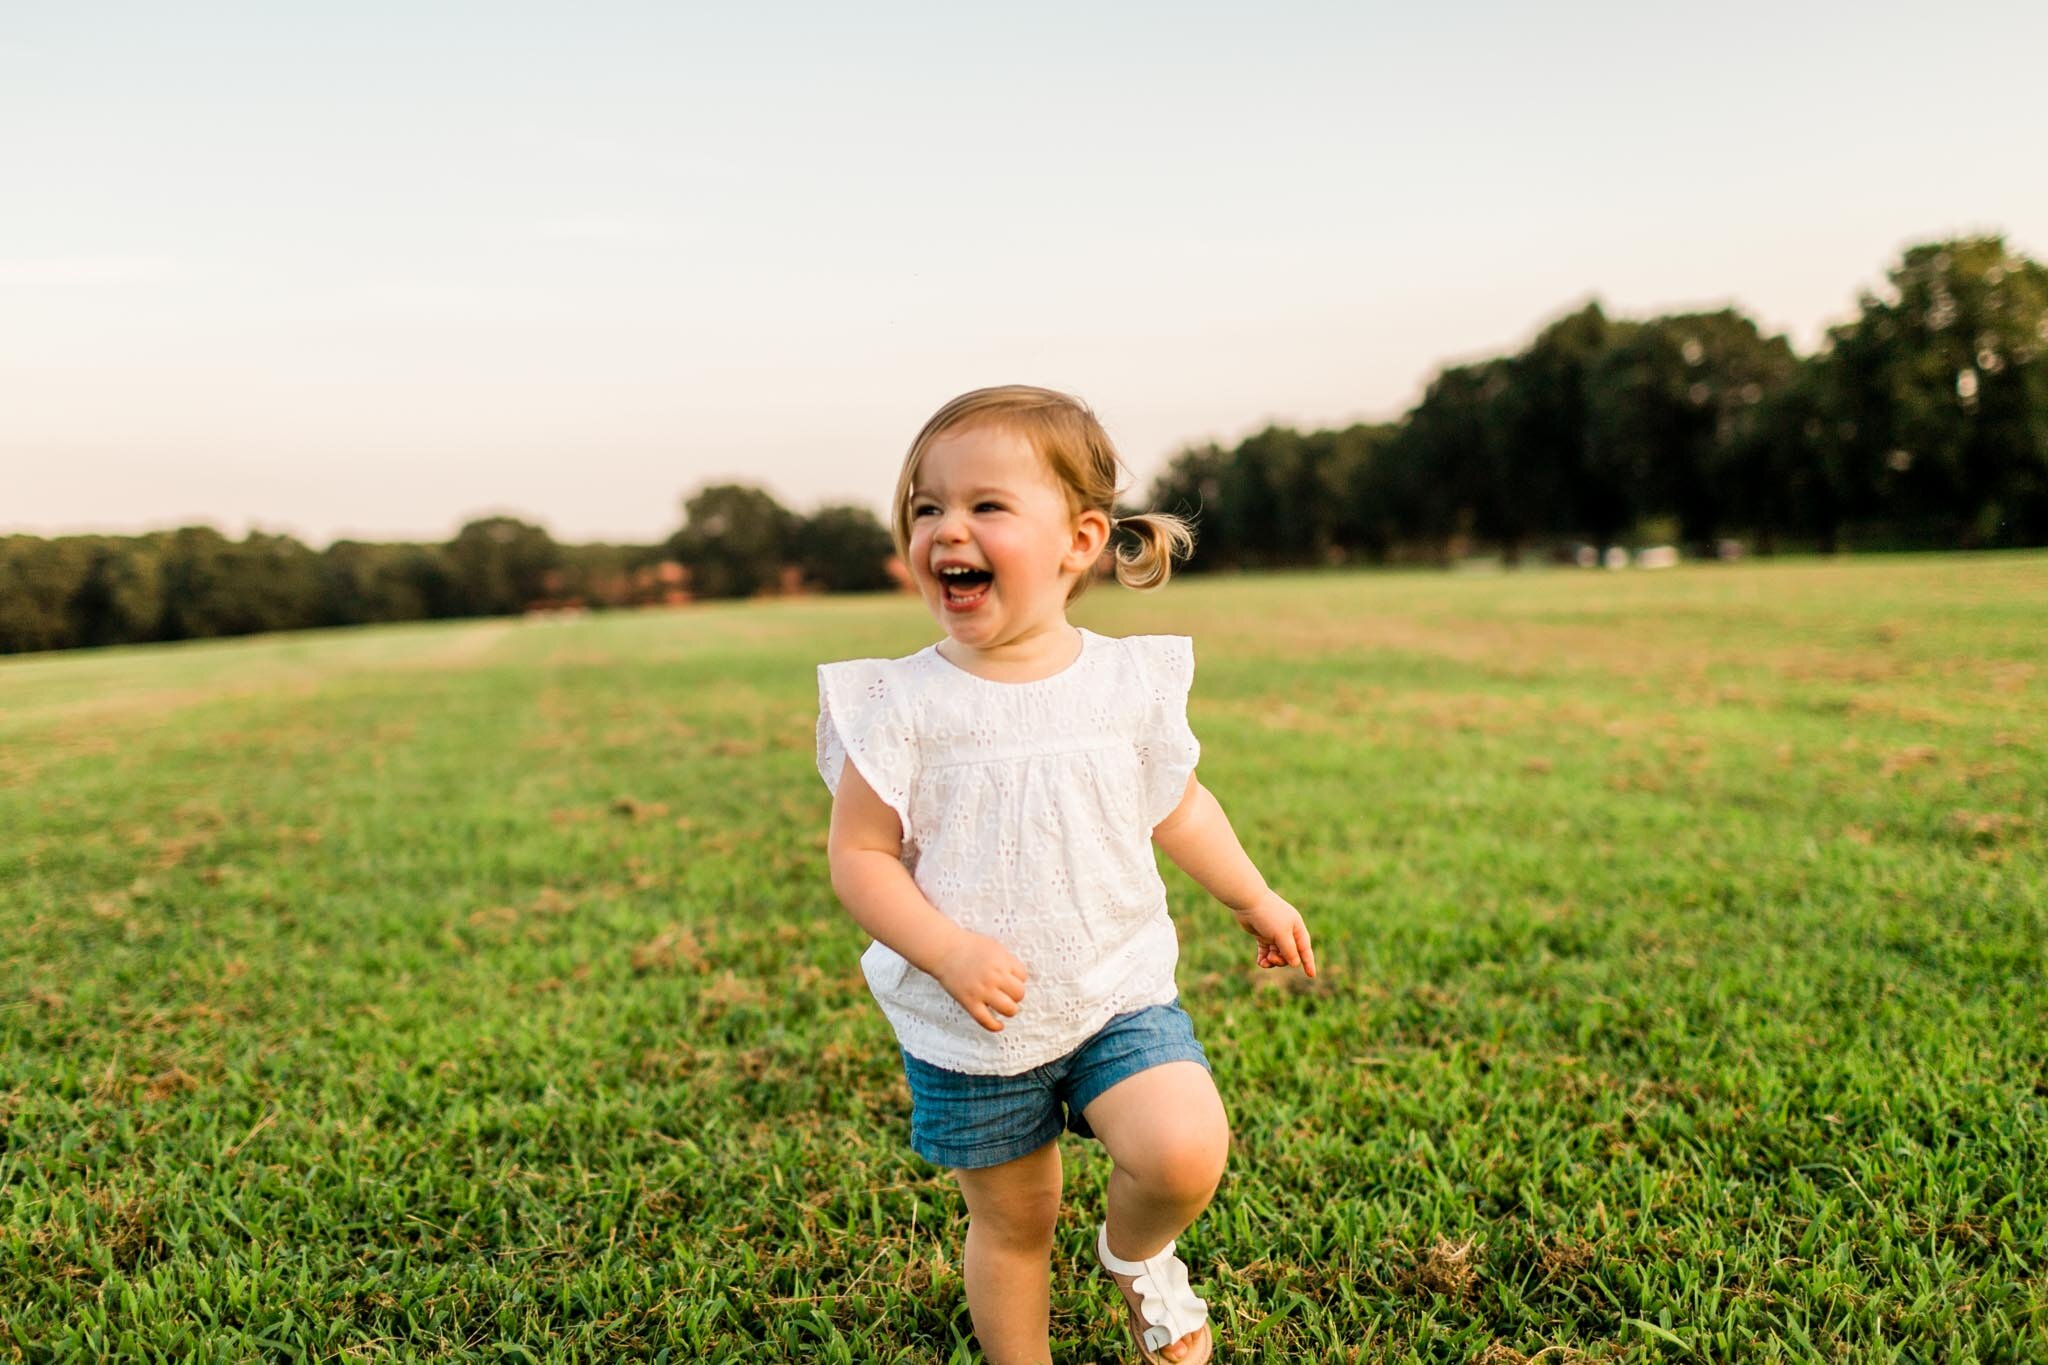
x=1078, y=453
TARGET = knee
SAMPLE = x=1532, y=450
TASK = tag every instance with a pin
x=1185, y=1167
x=1017, y=1220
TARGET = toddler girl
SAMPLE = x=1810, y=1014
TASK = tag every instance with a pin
x=992, y=832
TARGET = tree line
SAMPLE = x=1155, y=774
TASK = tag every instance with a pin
x=1921, y=423
x=195, y=583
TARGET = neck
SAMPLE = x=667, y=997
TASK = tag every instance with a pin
x=1033, y=653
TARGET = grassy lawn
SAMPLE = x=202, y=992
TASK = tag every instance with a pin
x=478, y=988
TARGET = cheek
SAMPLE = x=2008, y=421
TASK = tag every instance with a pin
x=922, y=536
x=1029, y=544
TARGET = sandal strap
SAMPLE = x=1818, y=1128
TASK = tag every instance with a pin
x=1168, y=1307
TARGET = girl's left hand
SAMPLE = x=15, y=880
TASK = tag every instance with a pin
x=1283, y=937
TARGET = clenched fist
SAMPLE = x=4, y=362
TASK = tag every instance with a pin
x=984, y=977
x=1282, y=936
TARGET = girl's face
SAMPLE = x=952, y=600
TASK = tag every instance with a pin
x=985, y=501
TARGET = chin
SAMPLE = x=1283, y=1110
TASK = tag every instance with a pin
x=967, y=632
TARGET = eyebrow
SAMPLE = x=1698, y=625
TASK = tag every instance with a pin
x=921, y=491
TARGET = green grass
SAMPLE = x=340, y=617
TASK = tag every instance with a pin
x=479, y=989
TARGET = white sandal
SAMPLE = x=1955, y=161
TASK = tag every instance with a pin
x=1169, y=1309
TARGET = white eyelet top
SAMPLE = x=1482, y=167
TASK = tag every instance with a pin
x=1027, y=812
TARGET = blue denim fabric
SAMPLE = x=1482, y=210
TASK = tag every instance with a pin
x=969, y=1122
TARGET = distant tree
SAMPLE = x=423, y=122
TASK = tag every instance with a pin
x=1316, y=495
x=1770, y=468
x=39, y=582
x=1266, y=495
x=198, y=583
x=1543, y=421
x=282, y=586
x=1345, y=463
x=1489, y=476
x=1453, y=449
x=1278, y=498
x=121, y=600
x=1732, y=369
x=844, y=549
x=376, y=582
x=355, y=588
x=1944, y=387
x=1633, y=424
x=214, y=586
x=498, y=565
x=430, y=572
x=1788, y=470
x=1361, y=471
x=734, y=540
x=1411, y=488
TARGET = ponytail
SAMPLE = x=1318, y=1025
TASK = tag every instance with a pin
x=1160, y=538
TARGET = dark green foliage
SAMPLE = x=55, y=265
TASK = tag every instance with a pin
x=500, y=564
x=1457, y=434
x=1348, y=463
x=844, y=549
x=201, y=598
x=213, y=586
x=122, y=598
x=1946, y=381
x=1788, y=470
x=195, y=583
x=367, y=582
x=735, y=540
x=39, y=581
x=1542, y=425
x=191, y=583
x=1279, y=498
x=1667, y=405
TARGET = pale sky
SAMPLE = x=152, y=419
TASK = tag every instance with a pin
x=372, y=269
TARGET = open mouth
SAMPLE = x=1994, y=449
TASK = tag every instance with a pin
x=964, y=589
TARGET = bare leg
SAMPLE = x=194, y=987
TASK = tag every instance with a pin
x=1011, y=1213
x=1166, y=1131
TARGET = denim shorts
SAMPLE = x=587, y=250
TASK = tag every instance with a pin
x=968, y=1122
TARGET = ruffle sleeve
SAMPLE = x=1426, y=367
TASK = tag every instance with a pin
x=863, y=715
x=1167, y=747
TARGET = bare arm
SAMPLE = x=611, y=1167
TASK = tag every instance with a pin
x=864, y=849
x=1199, y=839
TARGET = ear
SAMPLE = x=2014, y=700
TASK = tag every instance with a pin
x=1091, y=533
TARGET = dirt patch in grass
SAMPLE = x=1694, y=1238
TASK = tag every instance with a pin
x=1445, y=1268
x=674, y=947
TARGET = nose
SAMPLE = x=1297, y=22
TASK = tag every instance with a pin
x=952, y=528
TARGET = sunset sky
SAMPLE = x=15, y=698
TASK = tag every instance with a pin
x=372, y=269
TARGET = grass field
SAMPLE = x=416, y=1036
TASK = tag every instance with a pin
x=478, y=989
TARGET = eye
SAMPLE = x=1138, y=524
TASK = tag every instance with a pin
x=988, y=507
x=922, y=508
